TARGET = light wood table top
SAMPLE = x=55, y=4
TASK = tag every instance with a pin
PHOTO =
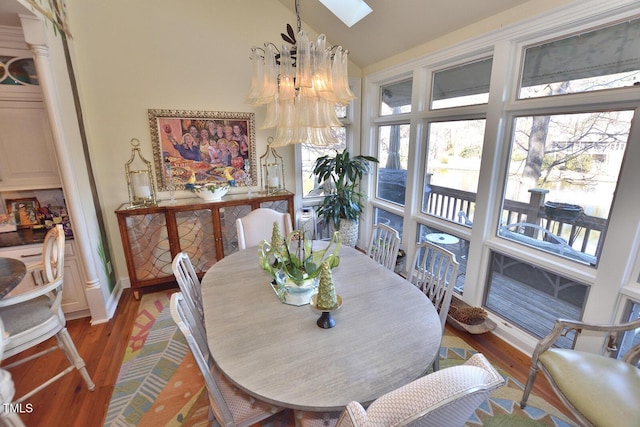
x=387, y=334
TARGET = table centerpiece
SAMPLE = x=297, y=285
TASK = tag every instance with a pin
x=210, y=191
x=295, y=265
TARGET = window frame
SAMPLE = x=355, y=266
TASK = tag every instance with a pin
x=613, y=272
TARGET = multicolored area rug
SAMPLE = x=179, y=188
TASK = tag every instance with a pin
x=159, y=383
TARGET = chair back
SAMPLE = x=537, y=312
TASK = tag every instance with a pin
x=257, y=226
x=384, y=245
x=581, y=379
x=230, y=406
x=188, y=282
x=34, y=316
x=188, y=325
x=53, y=254
x=434, y=270
x=444, y=398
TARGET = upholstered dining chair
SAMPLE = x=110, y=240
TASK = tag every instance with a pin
x=257, y=226
x=446, y=398
x=230, y=406
x=434, y=270
x=34, y=316
x=598, y=390
x=188, y=282
x=383, y=245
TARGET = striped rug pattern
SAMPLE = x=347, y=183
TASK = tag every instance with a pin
x=156, y=378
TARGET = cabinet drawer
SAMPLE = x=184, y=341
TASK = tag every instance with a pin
x=27, y=253
x=73, y=298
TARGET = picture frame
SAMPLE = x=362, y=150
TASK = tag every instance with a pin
x=179, y=152
x=25, y=211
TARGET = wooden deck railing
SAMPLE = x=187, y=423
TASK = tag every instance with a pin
x=583, y=233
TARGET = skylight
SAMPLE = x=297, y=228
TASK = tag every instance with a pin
x=349, y=11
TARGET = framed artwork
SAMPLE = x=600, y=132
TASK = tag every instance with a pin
x=25, y=211
x=213, y=147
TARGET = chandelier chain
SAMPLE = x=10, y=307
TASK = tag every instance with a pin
x=298, y=21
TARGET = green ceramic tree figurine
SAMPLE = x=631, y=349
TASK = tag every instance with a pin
x=277, y=241
x=327, y=298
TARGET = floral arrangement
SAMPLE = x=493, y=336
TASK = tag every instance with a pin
x=210, y=186
x=295, y=256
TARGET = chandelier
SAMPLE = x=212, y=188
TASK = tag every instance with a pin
x=300, y=85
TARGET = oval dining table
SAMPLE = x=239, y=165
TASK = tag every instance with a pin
x=12, y=272
x=387, y=334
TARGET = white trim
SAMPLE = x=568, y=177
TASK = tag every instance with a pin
x=36, y=38
x=615, y=269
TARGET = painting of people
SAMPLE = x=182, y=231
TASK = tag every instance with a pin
x=208, y=145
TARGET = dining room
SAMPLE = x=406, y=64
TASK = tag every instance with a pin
x=560, y=240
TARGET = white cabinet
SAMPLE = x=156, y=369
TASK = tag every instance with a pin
x=27, y=155
x=73, y=297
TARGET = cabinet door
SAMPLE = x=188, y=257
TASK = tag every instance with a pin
x=73, y=297
x=27, y=155
x=150, y=251
x=196, y=236
x=228, y=216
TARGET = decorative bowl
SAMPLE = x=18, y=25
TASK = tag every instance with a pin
x=212, y=194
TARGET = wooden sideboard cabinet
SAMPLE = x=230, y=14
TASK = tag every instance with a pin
x=152, y=236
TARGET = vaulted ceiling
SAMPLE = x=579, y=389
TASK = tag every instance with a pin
x=395, y=26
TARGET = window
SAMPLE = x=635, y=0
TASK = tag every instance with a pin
x=548, y=296
x=458, y=246
x=307, y=185
x=534, y=178
x=629, y=339
x=396, y=98
x=380, y=216
x=562, y=175
x=601, y=59
x=309, y=154
x=17, y=71
x=453, y=167
x=467, y=84
x=393, y=152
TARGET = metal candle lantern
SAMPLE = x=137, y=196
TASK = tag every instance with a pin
x=139, y=178
x=272, y=170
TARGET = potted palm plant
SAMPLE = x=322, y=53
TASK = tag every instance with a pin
x=342, y=204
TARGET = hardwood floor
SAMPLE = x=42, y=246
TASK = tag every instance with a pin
x=68, y=402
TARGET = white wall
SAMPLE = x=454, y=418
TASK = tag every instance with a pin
x=131, y=56
x=161, y=54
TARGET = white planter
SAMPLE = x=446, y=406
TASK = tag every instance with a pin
x=349, y=232
x=213, y=195
x=293, y=293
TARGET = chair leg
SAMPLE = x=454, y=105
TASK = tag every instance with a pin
x=527, y=389
x=69, y=348
x=8, y=417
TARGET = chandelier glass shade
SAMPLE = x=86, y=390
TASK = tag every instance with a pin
x=300, y=87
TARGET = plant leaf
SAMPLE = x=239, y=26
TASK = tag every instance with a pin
x=290, y=37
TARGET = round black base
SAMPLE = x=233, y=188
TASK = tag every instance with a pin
x=326, y=321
